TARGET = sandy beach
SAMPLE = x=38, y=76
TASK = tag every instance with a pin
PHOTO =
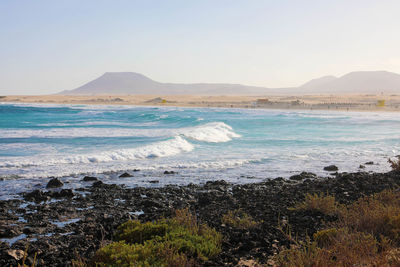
x=347, y=102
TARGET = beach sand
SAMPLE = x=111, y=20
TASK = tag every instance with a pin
x=319, y=102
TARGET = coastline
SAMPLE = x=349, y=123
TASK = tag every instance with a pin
x=61, y=224
x=344, y=102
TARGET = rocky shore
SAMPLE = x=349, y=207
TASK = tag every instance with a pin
x=62, y=224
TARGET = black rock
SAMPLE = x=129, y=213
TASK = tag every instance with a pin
x=9, y=232
x=97, y=184
x=53, y=183
x=361, y=167
x=216, y=183
x=331, y=168
x=369, y=163
x=169, y=172
x=154, y=181
x=136, y=170
x=28, y=231
x=36, y=195
x=89, y=179
x=302, y=176
x=66, y=193
x=125, y=175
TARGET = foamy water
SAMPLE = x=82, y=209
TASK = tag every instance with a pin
x=68, y=141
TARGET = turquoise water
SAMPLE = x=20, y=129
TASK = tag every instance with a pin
x=201, y=144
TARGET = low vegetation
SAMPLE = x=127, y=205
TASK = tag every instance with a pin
x=239, y=219
x=367, y=233
x=179, y=241
x=395, y=163
x=323, y=203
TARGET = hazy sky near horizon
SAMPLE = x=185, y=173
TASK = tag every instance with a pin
x=47, y=46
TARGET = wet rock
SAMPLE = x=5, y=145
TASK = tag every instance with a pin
x=103, y=207
x=36, y=196
x=136, y=170
x=331, y=168
x=369, y=163
x=169, y=172
x=54, y=183
x=125, y=175
x=154, y=181
x=66, y=193
x=8, y=233
x=216, y=183
x=28, y=231
x=302, y=176
x=97, y=184
x=361, y=167
x=89, y=179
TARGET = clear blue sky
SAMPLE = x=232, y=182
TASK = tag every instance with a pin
x=47, y=46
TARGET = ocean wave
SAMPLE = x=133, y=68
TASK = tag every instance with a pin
x=210, y=132
x=213, y=132
x=160, y=149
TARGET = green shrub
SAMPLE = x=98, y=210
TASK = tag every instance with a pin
x=239, y=219
x=150, y=253
x=136, y=232
x=168, y=242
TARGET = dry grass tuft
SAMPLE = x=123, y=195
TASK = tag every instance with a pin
x=324, y=203
x=395, y=163
x=367, y=233
x=239, y=219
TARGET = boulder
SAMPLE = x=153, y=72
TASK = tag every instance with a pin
x=331, y=168
x=36, y=195
x=125, y=175
x=54, y=183
x=89, y=179
x=302, y=176
x=97, y=184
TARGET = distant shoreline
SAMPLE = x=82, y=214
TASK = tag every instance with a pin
x=340, y=102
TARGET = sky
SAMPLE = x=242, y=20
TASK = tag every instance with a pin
x=47, y=46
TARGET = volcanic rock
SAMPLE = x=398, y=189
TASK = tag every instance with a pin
x=89, y=179
x=331, y=168
x=54, y=183
x=125, y=175
x=302, y=176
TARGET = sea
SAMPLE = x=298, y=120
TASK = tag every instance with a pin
x=40, y=141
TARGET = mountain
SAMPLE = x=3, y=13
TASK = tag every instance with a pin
x=319, y=82
x=372, y=82
x=135, y=83
x=359, y=82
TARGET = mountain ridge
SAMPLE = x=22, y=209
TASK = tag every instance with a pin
x=136, y=83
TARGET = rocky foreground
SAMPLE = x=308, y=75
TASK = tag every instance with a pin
x=61, y=225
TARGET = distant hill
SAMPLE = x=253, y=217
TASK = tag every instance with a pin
x=135, y=83
x=360, y=82
x=373, y=82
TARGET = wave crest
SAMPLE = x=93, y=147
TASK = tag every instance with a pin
x=214, y=132
x=160, y=149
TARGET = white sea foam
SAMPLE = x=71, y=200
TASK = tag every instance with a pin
x=214, y=132
x=160, y=149
x=210, y=132
x=80, y=132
